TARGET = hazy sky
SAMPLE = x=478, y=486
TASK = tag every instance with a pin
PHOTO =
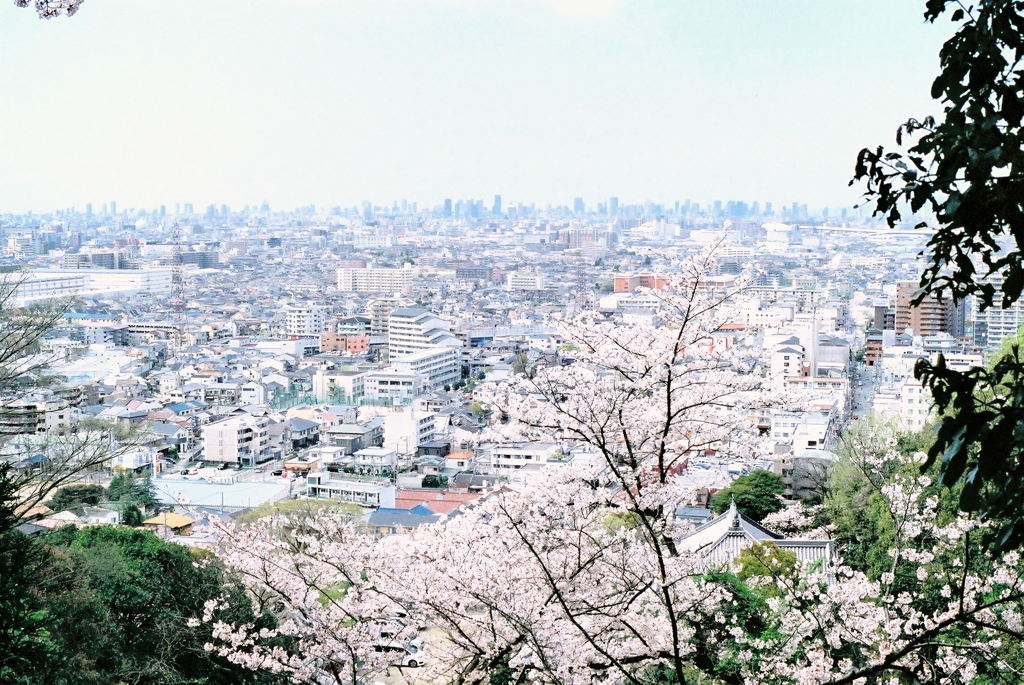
x=334, y=101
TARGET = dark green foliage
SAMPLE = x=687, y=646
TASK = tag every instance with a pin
x=119, y=601
x=756, y=495
x=967, y=168
x=131, y=515
x=131, y=489
x=435, y=481
x=21, y=623
x=71, y=496
x=108, y=605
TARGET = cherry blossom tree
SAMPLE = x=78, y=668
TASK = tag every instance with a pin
x=582, y=575
x=48, y=9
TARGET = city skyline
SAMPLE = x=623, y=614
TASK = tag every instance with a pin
x=334, y=103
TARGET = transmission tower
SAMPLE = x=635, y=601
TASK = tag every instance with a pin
x=177, y=291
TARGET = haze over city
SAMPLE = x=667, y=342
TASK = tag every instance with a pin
x=335, y=103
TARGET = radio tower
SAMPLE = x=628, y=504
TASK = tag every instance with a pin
x=584, y=287
x=178, y=291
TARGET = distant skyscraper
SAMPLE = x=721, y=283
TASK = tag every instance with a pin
x=496, y=208
x=224, y=211
x=189, y=209
x=163, y=210
x=795, y=210
x=578, y=206
x=177, y=208
x=113, y=208
x=88, y=209
x=718, y=207
x=447, y=207
x=613, y=206
x=211, y=211
x=768, y=208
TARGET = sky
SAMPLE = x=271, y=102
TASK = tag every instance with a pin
x=333, y=102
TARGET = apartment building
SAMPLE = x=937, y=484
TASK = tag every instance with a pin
x=412, y=329
x=512, y=457
x=373, y=280
x=439, y=365
x=524, y=280
x=240, y=440
x=931, y=317
x=304, y=320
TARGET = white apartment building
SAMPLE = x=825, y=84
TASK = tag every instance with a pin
x=239, y=440
x=373, y=280
x=305, y=320
x=439, y=365
x=345, y=387
x=916, y=406
x=512, y=457
x=391, y=387
x=412, y=329
x=406, y=430
x=524, y=280
x=996, y=323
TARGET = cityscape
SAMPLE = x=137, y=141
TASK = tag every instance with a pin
x=419, y=342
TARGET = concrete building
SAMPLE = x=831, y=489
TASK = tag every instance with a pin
x=439, y=365
x=373, y=280
x=412, y=329
x=931, y=317
x=364, y=492
x=240, y=440
x=304, y=320
x=524, y=280
x=406, y=430
x=391, y=387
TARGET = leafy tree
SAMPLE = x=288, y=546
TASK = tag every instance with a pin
x=123, y=606
x=756, y=495
x=432, y=481
x=21, y=624
x=131, y=515
x=71, y=496
x=131, y=489
x=967, y=169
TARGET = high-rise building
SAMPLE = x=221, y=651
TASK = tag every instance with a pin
x=447, y=208
x=189, y=209
x=613, y=206
x=113, y=207
x=496, y=207
x=932, y=317
x=578, y=206
x=88, y=209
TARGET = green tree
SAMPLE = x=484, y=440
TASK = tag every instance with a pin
x=967, y=169
x=71, y=496
x=131, y=515
x=22, y=624
x=756, y=495
x=119, y=603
